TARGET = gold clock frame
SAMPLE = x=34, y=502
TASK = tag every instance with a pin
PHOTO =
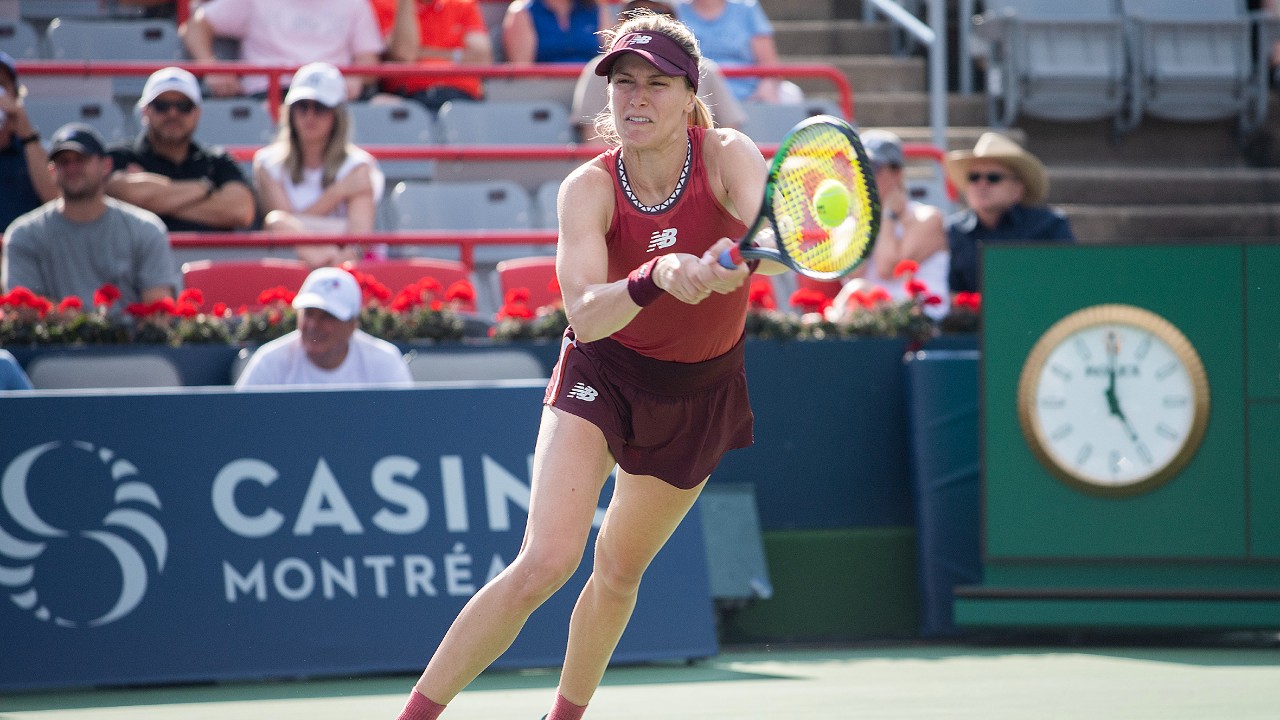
x=1113, y=314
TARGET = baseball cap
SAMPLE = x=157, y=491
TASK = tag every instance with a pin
x=659, y=49
x=883, y=148
x=170, y=79
x=317, y=81
x=9, y=64
x=332, y=290
x=77, y=137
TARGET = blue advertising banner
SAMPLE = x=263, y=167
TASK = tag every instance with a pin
x=207, y=535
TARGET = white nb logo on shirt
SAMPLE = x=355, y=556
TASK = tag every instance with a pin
x=583, y=392
x=662, y=239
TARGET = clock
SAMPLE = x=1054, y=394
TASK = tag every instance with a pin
x=1113, y=400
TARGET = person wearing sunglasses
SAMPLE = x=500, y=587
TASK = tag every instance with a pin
x=192, y=187
x=313, y=179
x=1004, y=188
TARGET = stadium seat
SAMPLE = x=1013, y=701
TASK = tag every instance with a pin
x=1193, y=60
x=494, y=122
x=544, y=201
x=112, y=39
x=52, y=113
x=239, y=282
x=483, y=205
x=535, y=274
x=1064, y=61
x=45, y=10
x=234, y=121
x=123, y=370
x=398, y=273
x=20, y=40
x=404, y=122
x=769, y=122
x=454, y=366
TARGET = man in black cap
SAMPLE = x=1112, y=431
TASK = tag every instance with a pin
x=24, y=166
x=83, y=239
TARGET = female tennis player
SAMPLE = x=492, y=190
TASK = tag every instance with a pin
x=650, y=377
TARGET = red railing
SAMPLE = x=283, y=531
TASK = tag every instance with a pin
x=275, y=73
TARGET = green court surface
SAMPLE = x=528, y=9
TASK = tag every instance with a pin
x=899, y=681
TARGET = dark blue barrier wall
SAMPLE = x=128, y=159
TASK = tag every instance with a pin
x=205, y=535
x=942, y=390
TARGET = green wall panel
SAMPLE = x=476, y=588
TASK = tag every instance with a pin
x=1264, y=479
x=834, y=585
x=1029, y=513
x=1262, y=289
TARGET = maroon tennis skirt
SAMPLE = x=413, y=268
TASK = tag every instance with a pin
x=671, y=420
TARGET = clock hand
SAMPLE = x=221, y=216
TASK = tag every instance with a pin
x=1113, y=401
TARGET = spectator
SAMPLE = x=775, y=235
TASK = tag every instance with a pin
x=553, y=30
x=1005, y=188
x=24, y=165
x=737, y=32
x=327, y=348
x=312, y=179
x=82, y=240
x=590, y=94
x=909, y=230
x=12, y=376
x=190, y=186
x=435, y=32
x=283, y=32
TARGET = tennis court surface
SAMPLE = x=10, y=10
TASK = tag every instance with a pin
x=1234, y=682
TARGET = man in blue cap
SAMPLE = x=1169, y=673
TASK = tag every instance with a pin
x=24, y=165
x=78, y=242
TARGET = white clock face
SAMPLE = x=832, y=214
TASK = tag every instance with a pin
x=1113, y=404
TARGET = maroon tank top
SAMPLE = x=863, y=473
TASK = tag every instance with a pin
x=690, y=221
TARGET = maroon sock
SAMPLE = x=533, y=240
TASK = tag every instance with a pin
x=565, y=710
x=420, y=707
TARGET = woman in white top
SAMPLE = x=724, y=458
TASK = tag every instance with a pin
x=312, y=179
x=909, y=230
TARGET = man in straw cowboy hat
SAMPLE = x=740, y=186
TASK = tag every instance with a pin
x=1004, y=188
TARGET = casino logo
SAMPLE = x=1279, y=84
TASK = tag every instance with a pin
x=78, y=534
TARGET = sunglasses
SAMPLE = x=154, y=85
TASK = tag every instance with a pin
x=164, y=106
x=993, y=178
x=310, y=106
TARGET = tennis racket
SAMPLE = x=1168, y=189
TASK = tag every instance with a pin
x=821, y=210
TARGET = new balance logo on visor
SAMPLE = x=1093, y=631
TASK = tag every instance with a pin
x=662, y=239
x=583, y=392
x=640, y=40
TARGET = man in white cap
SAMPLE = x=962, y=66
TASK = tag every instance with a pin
x=327, y=348
x=1005, y=188
x=190, y=186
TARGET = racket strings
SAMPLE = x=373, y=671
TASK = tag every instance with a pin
x=816, y=154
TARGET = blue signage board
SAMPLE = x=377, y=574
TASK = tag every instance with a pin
x=213, y=535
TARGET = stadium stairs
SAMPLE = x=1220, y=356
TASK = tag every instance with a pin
x=1163, y=181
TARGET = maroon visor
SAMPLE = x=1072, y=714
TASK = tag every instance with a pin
x=660, y=50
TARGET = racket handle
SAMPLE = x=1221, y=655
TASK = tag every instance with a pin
x=731, y=258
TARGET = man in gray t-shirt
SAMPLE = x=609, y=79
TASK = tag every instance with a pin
x=82, y=240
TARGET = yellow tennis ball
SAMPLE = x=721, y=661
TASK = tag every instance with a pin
x=831, y=202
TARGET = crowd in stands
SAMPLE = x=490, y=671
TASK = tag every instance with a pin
x=313, y=179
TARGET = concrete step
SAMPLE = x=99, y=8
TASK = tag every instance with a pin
x=831, y=37
x=1163, y=186
x=958, y=137
x=1098, y=224
x=875, y=109
x=781, y=10
x=866, y=73
x=1155, y=143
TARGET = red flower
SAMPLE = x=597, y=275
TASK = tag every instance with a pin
x=968, y=300
x=186, y=309
x=428, y=284
x=405, y=300
x=761, y=294
x=276, y=294
x=142, y=310
x=932, y=299
x=220, y=309
x=71, y=302
x=905, y=267
x=191, y=295
x=878, y=295
x=916, y=287
x=515, y=311
x=553, y=286
x=107, y=295
x=461, y=291
x=517, y=295
x=810, y=300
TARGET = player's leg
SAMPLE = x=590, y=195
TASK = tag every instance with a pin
x=641, y=517
x=571, y=463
